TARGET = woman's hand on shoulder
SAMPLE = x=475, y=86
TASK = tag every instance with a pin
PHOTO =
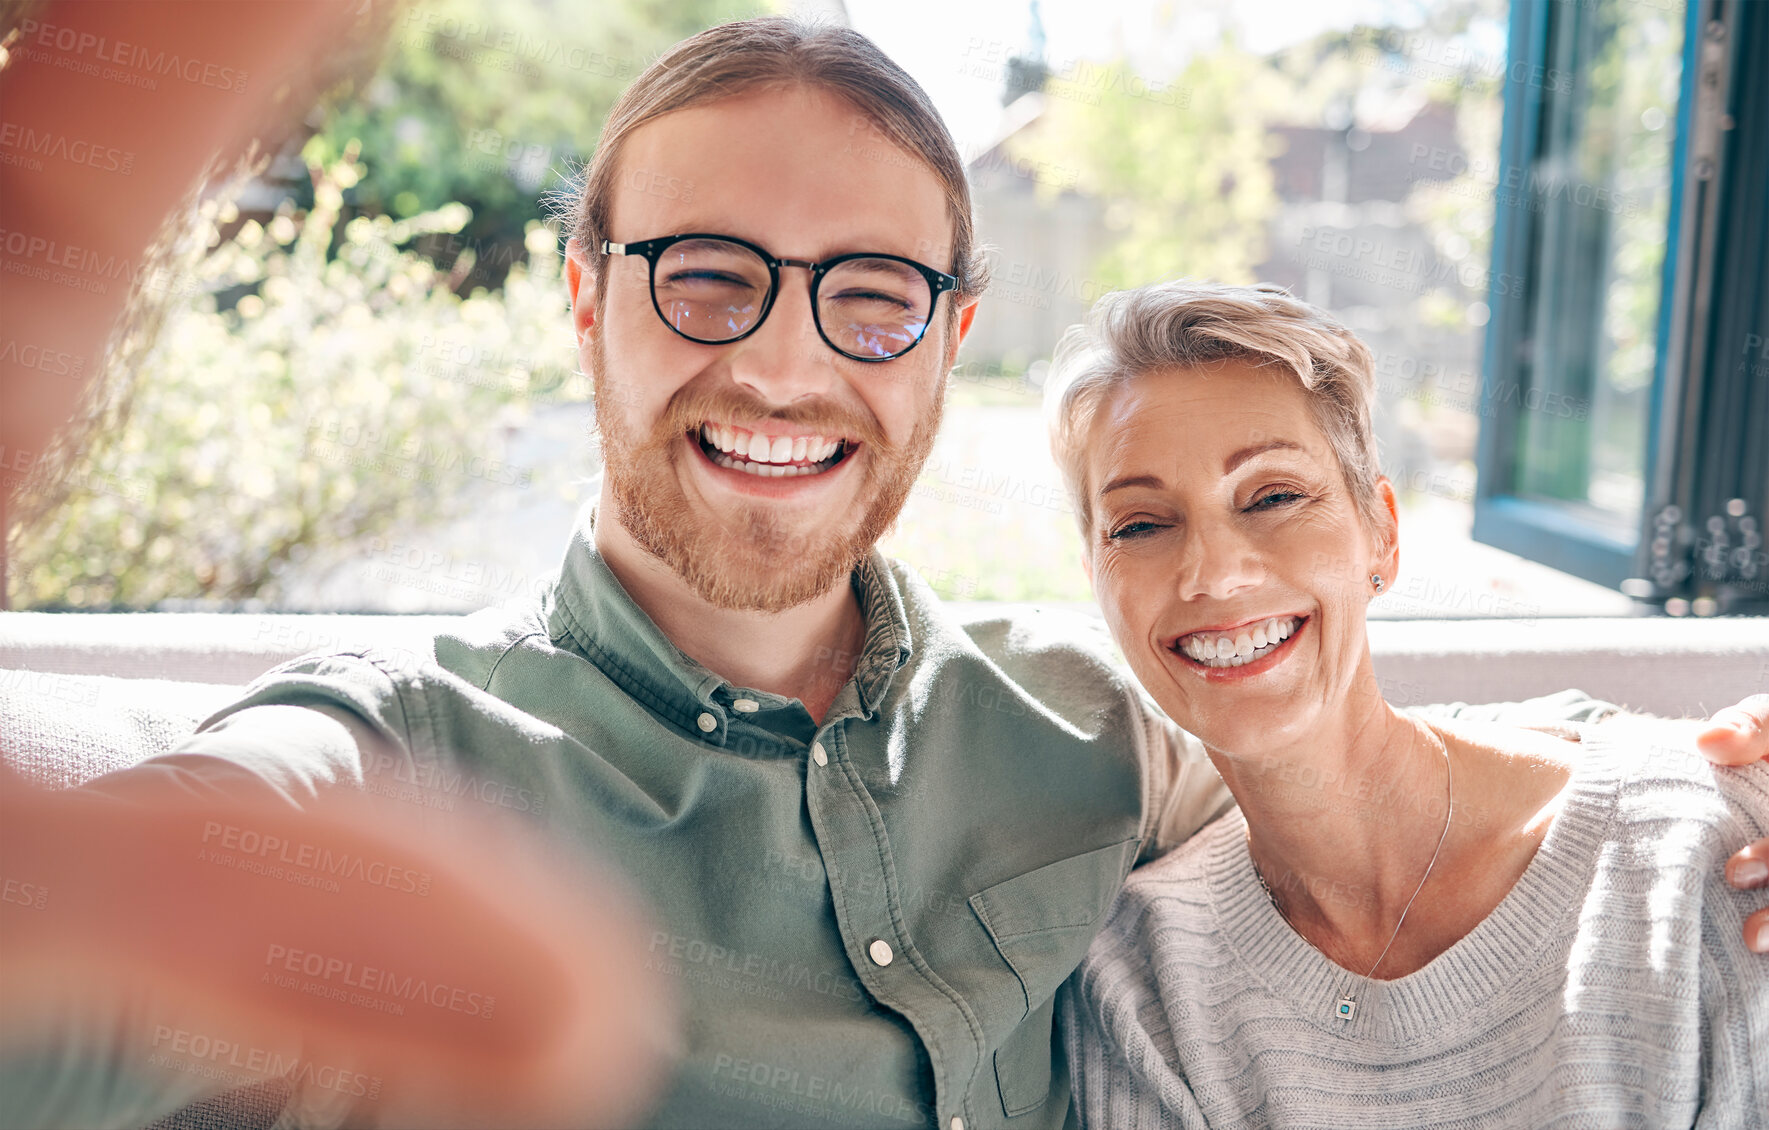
x=1739, y=735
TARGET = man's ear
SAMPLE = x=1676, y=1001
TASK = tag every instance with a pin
x=966, y=315
x=580, y=288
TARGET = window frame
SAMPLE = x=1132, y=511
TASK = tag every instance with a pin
x=1556, y=534
x=1705, y=461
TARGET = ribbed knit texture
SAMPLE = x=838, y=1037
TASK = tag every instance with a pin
x=1611, y=987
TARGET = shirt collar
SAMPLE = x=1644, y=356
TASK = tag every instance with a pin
x=592, y=610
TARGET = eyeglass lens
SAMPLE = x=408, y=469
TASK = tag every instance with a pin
x=712, y=291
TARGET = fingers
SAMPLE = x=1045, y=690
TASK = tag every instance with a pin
x=1749, y=870
x=1756, y=931
x=1737, y=735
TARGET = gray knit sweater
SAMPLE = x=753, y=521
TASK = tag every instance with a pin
x=1611, y=987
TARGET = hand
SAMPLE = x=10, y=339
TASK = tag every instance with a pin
x=1749, y=870
x=456, y=972
x=1739, y=735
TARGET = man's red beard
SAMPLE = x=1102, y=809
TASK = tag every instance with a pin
x=747, y=558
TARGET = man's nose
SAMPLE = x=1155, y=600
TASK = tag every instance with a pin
x=785, y=359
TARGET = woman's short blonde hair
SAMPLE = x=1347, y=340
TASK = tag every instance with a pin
x=1192, y=325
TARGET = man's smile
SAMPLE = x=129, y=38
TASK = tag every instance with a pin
x=776, y=454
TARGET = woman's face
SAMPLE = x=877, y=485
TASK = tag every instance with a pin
x=1227, y=554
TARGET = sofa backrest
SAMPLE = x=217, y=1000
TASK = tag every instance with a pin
x=82, y=694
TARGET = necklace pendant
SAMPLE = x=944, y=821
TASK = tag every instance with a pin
x=1346, y=1008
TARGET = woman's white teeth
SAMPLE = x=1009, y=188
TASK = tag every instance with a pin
x=766, y=455
x=1243, y=645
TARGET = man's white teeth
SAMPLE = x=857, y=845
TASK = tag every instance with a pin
x=769, y=456
x=1242, y=646
x=767, y=450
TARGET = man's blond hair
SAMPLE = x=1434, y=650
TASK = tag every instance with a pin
x=776, y=51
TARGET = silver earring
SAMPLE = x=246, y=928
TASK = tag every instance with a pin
x=1376, y=579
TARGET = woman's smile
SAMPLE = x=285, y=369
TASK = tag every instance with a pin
x=1241, y=652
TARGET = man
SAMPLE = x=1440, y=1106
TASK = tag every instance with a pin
x=875, y=839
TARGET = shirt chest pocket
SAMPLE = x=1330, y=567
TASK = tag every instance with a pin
x=1042, y=922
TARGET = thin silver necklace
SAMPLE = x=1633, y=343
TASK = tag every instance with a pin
x=1347, y=1006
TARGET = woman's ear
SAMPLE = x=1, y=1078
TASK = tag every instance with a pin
x=1387, y=536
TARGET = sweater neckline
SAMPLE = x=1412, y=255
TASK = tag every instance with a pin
x=1482, y=971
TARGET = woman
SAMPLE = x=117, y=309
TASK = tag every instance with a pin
x=1408, y=922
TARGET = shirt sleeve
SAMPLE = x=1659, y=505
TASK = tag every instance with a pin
x=1556, y=713
x=1182, y=791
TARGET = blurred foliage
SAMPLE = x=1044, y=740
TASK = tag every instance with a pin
x=1182, y=167
x=311, y=387
x=496, y=105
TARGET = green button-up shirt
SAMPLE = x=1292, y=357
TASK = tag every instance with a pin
x=867, y=917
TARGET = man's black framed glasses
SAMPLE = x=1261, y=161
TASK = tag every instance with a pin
x=716, y=289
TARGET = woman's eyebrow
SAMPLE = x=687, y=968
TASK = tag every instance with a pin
x=1229, y=464
x=1130, y=481
x=1250, y=451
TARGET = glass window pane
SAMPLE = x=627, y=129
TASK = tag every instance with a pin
x=1599, y=193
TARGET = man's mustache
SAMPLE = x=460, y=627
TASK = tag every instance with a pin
x=691, y=407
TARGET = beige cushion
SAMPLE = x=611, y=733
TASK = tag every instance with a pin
x=62, y=730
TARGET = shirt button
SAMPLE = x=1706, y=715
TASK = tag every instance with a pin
x=880, y=950
x=822, y=758
x=746, y=705
x=707, y=723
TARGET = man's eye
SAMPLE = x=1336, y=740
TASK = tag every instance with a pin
x=861, y=299
x=703, y=278
x=1132, y=530
x=1277, y=499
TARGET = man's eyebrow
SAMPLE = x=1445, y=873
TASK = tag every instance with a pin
x=1130, y=481
x=1249, y=452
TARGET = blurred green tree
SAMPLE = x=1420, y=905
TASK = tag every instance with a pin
x=494, y=105
x=1183, y=167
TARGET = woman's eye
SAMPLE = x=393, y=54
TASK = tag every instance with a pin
x=1131, y=530
x=1276, y=499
